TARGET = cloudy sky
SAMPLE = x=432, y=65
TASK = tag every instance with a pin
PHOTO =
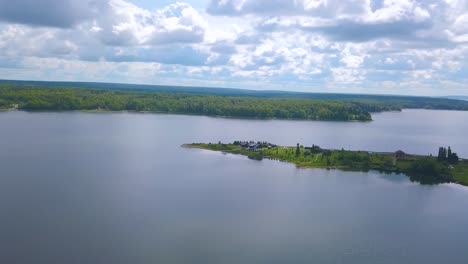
x=366, y=46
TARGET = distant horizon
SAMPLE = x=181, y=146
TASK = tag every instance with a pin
x=229, y=88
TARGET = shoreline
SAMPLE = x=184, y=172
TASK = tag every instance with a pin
x=97, y=111
x=383, y=162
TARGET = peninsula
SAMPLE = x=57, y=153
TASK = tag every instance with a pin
x=445, y=168
x=46, y=96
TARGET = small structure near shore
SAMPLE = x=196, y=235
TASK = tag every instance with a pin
x=399, y=154
x=254, y=146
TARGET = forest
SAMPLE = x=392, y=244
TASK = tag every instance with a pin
x=63, y=98
x=331, y=107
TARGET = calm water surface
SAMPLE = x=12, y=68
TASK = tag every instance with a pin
x=118, y=188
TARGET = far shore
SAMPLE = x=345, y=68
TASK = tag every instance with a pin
x=93, y=111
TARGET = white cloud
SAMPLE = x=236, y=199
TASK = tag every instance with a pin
x=389, y=60
x=395, y=10
x=352, y=61
x=344, y=75
x=126, y=24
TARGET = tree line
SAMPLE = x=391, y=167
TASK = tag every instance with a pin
x=446, y=154
x=310, y=107
x=65, y=98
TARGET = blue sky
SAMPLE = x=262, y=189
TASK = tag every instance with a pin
x=403, y=47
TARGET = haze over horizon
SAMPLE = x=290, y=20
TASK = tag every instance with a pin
x=400, y=47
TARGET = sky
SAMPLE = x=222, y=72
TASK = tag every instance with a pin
x=405, y=47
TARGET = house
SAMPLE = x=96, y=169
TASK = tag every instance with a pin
x=254, y=147
x=314, y=149
x=244, y=144
x=400, y=154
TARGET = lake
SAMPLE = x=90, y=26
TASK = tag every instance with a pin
x=118, y=188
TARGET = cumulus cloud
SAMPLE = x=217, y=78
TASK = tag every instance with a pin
x=340, y=46
x=386, y=10
x=391, y=19
x=458, y=30
x=19, y=41
x=126, y=24
x=123, y=32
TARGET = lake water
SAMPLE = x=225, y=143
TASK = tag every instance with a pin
x=118, y=188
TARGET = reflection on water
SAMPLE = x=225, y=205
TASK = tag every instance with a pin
x=118, y=188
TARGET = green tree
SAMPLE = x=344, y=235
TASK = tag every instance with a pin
x=442, y=156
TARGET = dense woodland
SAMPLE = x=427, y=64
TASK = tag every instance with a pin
x=45, y=98
x=324, y=107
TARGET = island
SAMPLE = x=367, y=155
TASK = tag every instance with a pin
x=447, y=167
